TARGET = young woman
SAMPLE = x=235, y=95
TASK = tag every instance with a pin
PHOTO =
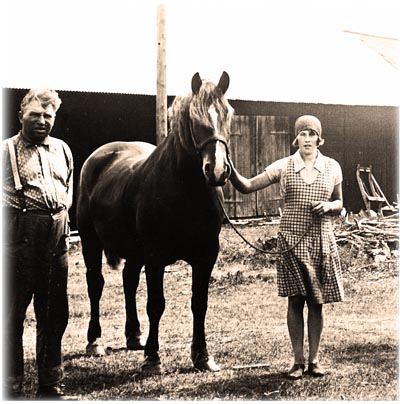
x=309, y=268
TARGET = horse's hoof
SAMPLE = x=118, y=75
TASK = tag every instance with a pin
x=206, y=365
x=204, y=362
x=95, y=348
x=135, y=343
x=151, y=366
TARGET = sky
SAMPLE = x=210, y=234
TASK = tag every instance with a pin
x=282, y=50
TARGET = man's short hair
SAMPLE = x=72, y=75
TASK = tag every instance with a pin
x=44, y=96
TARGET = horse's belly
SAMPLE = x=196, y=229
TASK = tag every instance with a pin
x=171, y=242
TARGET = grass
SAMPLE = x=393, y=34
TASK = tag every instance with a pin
x=246, y=324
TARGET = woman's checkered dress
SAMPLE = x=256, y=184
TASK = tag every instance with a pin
x=312, y=267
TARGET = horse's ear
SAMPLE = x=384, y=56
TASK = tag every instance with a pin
x=196, y=83
x=223, y=83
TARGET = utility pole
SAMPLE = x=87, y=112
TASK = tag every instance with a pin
x=161, y=97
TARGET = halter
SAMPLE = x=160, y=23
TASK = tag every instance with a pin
x=200, y=146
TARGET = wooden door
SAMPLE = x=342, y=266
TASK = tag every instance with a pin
x=256, y=141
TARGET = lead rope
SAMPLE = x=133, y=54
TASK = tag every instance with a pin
x=254, y=246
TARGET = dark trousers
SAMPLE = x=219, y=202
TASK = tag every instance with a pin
x=36, y=259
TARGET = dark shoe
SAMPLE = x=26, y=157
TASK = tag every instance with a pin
x=316, y=370
x=296, y=372
x=54, y=392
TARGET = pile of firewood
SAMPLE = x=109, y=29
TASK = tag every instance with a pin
x=377, y=237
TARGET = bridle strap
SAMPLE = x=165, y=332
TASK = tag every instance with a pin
x=216, y=138
x=200, y=146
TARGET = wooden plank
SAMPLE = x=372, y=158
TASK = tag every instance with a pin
x=256, y=141
x=273, y=143
x=242, y=146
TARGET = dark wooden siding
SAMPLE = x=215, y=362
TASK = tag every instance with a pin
x=273, y=143
x=256, y=141
x=242, y=144
x=366, y=135
x=88, y=120
x=370, y=140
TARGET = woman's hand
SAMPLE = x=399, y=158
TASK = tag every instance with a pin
x=334, y=207
x=319, y=208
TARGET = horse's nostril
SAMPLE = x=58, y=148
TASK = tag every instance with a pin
x=207, y=169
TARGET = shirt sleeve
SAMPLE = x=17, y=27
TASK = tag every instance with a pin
x=6, y=160
x=276, y=171
x=337, y=173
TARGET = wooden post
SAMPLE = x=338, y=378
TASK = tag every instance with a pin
x=161, y=97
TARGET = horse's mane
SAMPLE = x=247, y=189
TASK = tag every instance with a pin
x=195, y=107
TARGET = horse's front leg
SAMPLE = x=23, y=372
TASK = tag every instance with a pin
x=155, y=309
x=131, y=276
x=200, y=279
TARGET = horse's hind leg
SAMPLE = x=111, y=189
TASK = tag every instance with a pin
x=131, y=276
x=92, y=250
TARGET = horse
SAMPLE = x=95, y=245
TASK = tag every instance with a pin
x=152, y=206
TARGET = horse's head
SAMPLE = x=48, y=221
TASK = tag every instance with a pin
x=209, y=124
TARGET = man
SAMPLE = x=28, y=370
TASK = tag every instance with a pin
x=37, y=193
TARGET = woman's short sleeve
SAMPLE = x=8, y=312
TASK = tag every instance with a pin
x=277, y=173
x=337, y=172
x=276, y=169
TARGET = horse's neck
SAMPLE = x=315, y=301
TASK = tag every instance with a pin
x=172, y=153
x=179, y=163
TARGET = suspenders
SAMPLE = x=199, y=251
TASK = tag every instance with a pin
x=17, y=179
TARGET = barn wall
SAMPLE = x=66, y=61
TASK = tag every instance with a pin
x=88, y=120
x=372, y=139
x=366, y=135
x=256, y=141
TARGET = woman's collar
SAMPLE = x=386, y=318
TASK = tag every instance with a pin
x=299, y=162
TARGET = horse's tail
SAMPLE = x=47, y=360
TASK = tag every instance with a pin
x=113, y=260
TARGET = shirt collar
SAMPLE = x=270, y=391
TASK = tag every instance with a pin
x=45, y=143
x=299, y=162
